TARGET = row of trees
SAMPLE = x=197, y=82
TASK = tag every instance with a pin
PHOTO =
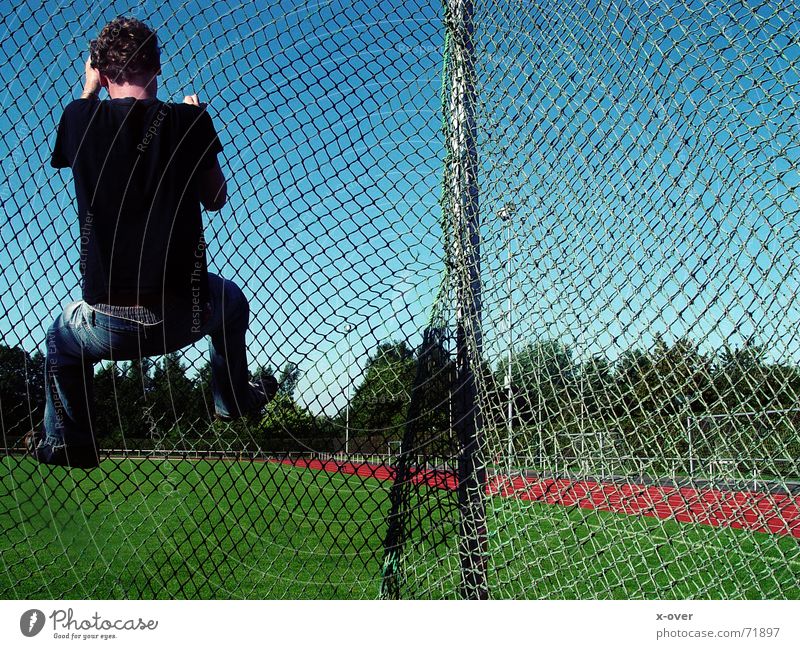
x=157, y=404
x=668, y=379
x=640, y=404
x=663, y=404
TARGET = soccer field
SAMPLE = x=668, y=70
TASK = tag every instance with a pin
x=214, y=529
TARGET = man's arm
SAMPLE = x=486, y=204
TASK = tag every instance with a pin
x=212, y=187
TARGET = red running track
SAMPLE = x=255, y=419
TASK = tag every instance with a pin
x=750, y=510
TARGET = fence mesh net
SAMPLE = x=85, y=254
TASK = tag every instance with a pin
x=527, y=275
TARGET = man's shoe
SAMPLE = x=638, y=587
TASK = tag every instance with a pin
x=81, y=456
x=262, y=391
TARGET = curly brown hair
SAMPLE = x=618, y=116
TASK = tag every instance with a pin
x=126, y=50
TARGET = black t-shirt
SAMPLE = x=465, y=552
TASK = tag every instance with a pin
x=136, y=166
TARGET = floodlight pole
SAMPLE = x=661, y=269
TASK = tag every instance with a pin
x=506, y=213
x=461, y=209
x=348, y=328
x=540, y=403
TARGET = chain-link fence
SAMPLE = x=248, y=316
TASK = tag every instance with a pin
x=638, y=167
x=526, y=273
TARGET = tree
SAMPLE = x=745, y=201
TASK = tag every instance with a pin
x=287, y=426
x=174, y=400
x=743, y=378
x=380, y=402
x=108, y=423
x=600, y=390
x=203, y=389
x=658, y=390
x=132, y=399
x=756, y=394
x=431, y=413
x=288, y=379
x=634, y=373
x=21, y=392
x=680, y=377
x=542, y=380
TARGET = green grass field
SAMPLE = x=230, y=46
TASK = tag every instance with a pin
x=573, y=553
x=180, y=529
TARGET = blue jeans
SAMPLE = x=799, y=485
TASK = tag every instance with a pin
x=83, y=335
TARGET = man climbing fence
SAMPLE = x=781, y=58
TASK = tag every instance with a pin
x=142, y=168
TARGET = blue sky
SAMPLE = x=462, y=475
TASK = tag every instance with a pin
x=653, y=157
